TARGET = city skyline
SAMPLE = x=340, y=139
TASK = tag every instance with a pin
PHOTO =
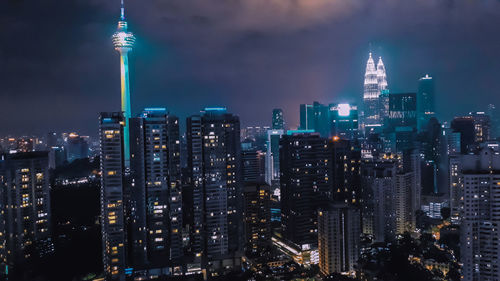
x=169, y=63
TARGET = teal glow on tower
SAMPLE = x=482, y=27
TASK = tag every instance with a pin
x=123, y=40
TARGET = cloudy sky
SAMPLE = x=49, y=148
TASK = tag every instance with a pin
x=58, y=69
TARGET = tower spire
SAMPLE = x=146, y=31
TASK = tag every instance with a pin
x=122, y=11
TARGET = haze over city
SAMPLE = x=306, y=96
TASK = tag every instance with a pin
x=58, y=65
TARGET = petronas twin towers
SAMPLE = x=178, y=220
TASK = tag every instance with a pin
x=375, y=84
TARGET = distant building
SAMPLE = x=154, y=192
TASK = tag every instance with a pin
x=113, y=226
x=315, y=117
x=402, y=111
x=338, y=239
x=473, y=128
x=257, y=217
x=480, y=177
x=25, y=208
x=278, y=122
x=343, y=119
x=375, y=82
x=253, y=165
x=77, y=147
x=273, y=156
x=425, y=101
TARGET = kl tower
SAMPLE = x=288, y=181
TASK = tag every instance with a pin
x=123, y=40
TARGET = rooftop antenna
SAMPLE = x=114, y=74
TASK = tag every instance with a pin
x=122, y=11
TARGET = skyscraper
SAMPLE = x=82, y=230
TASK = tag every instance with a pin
x=374, y=84
x=338, y=239
x=112, y=195
x=480, y=178
x=155, y=195
x=215, y=163
x=343, y=119
x=123, y=40
x=370, y=94
x=257, y=217
x=378, y=178
x=76, y=147
x=278, y=120
x=425, y=100
x=273, y=156
x=315, y=117
x=25, y=208
x=305, y=184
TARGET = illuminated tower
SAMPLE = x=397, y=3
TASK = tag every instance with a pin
x=381, y=76
x=371, y=95
x=123, y=40
x=383, y=92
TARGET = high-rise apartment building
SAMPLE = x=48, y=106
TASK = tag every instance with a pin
x=215, y=164
x=25, y=208
x=378, y=181
x=155, y=195
x=480, y=248
x=338, y=239
x=305, y=165
x=257, y=217
x=113, y=226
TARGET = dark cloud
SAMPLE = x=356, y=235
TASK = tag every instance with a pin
x=58, y=68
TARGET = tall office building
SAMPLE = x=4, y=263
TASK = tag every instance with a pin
x=123, y=41
x=378, y=181
x=25, y=208
x=402, y=111
x=494, y=114
x=345, y=173
x=374, y=84
x=155, y=195
x=257, y=217
x=343, y=121
x=338, y=239
x=253, y=165
x=113, y=226
x=371, y=95
x=77, y=147
x=466, y=128
x=315, y=117
x=305, y=184
x=215, y=163
x=482, y=126
x=425, y=101
x=278, y=122
x=273, y=156
x=480, y=235
x=306, y=117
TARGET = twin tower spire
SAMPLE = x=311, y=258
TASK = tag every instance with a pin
x=375, y=84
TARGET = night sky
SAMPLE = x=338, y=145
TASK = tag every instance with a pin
x=58, y=68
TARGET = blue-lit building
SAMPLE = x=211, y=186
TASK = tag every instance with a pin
x=343, y=120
